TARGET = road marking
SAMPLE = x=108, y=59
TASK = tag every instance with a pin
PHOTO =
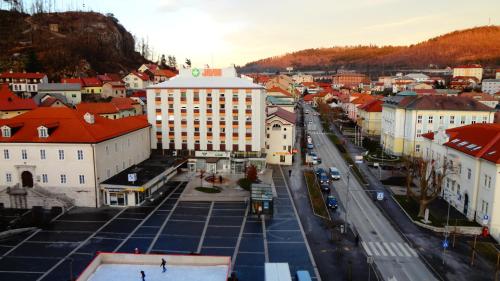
x=388, y=248
x=202, y=238
x=404, y=250
x=375, y=251
x=264, y=235
x=381, y=248
x=22, y=242
x=237, y=247
x=367, y=249
x=412, y=251
x=396, y=249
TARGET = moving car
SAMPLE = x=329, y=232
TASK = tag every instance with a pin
x=334, y=173
x=310, y=146
x=307, y=111
x=331, y=202
x=323, y=178
x=319, y=171
x=325, y=187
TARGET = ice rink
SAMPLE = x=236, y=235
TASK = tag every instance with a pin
x=125, y=272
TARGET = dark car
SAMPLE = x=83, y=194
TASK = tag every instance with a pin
x=323, y=178
x=331, y=202
x=325, y=187
x=319, y=171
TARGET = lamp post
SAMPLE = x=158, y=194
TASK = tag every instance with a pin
x=347, y=199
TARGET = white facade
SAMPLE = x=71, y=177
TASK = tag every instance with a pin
x=469, y=71
x=134, y=82
x=473, y=188
x=490, y=86
x=73, y=97
x=300, y=78
x=280, y=141
x=418, y=77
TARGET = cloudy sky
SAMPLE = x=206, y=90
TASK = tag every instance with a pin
x=222, y=32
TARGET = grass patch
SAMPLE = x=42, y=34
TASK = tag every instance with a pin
x=317, y=201
x=245, y=183
x=204, y=189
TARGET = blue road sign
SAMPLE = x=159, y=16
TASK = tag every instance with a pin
x=445, y=243
x=380, y=195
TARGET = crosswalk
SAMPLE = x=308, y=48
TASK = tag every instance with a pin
x=389, y=249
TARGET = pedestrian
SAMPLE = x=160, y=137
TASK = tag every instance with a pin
x=220, y=179
x=356, y=240
x=143, y=275
x=164, y=264
x=289, y=173
x=136, y=251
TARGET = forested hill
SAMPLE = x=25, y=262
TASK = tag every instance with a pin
x=475, y=45
x=65, y=44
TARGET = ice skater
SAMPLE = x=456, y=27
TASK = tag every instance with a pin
x=164, y=264
x=143, y=275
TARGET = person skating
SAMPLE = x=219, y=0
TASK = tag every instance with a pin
x=164, y=264
x=143, y=275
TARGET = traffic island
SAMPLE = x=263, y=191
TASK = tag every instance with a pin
x=315, y=196
x=214, y=189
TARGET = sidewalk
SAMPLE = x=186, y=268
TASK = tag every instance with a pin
x=457, y=260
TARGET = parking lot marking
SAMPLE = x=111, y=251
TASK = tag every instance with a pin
x=242, y=227
x=264, y=234
x=22, y=242
x=15, y=271
x=145, y=219
x=162, y=227
x=81, y=244
x=311, y=258
x=202, y=238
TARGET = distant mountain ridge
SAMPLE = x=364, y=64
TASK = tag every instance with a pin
x=65, y=44
x=475, y=45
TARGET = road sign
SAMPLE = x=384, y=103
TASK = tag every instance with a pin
x=132, y=177
x=486, y=218
x=380, y=195
x=445, y=243
x=375, y=164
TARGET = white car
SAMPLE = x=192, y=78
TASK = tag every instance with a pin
x=334, y=173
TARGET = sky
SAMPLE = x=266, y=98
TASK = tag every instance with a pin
x=224, y=32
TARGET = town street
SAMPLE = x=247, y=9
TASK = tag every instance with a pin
x=394, y=257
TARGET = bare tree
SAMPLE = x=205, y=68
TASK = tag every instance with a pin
x=428, y=175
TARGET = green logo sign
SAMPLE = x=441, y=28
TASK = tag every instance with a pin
x=195, y=72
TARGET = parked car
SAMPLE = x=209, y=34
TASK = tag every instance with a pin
x=325, y=187
x=331, y=202
x=315, y=157
x=323, y=179
x=310, y=146
x=318, y=171
x=334, y=173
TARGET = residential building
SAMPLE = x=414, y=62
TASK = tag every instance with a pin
x=472, y=187
x=351, y=108
x=406, y=118
x=280, y=136
x=311, y=87
x=148, y=67
x=497, y=74
x=107, y=109
x=212, y=115
x=52, y=101
x=161, y=75
x=115, y=89
x=59, y=156
x=349, y=80
x=420, y=86
x=490, y=86
x=418, y=77
x=281, y=81
x=90, y=85
x=22, y=83
x=470, y=70
x=127, y=103
x=284, y=103
x=483, y=98
x=300, y=78
x=137, y=81
x=12, y=105
x=369, y=117
x=71, y=91
x=279, y=92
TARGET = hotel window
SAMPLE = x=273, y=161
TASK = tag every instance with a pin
x=170, y=118
x=249, y=107
x=419, y=133
x=469, y=173
x=24, y=154
x=222, y=142
x=441, y=119
x=419, y=119
x=6, y=132
x=485, y=119
x=452, y=119
x=196, y=129
x=43, y=133
x=196, y=96
x=431, y=119
x=222, y=96
x=171, y=106
x=209, y=106
x=235, y=118
x=45, y=178
x=81, y=178
x=208, y=130
x=473, y=120
x=6, y=154
x=42, y=154
x=417, y=148
x=63, y=178
x=235, y=107
x=248, y=96
x=8, y=177
x=235, y=96
x=209, y=119
x=209, y=95
x=107, y=150
x=61, y=154
x=284, y=137
x=484, y=207
x=284, y=147
x=222, y=106
x=462, y=120
x=80, y=152
x=223, y=119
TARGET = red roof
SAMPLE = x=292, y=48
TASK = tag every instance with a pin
x=124, y=103
x=310, y=84
x=22, y=75
x=10, y=102
x=91, y=82
x=116, y=84
x=139, y=94
x=362, y=99
x=469, y=66
x=282, y=113
x=142, y=76
x=50, y=100
x=425, y=91
x=165, y=72
x=151, y=66
x=480, y=140
x=69, y=126
x=98, y=107
x=72, y=80
x=479, y=96
x=372, y=106
x=309, y=97
x=279, y=90
x=109, y=77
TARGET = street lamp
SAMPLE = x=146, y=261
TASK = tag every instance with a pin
x=347, y=200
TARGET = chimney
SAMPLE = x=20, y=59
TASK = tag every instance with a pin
x=89, y=118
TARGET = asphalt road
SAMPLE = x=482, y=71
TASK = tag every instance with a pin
x=393, y=256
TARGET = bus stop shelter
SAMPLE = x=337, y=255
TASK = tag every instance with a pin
x=261, y=199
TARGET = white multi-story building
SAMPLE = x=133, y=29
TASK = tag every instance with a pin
x=22, y=82
x=212, y=115
x=137, y=80
x=59, y=156
x=406, y=118
x=490, y=86
x=470, y=70
x=280, y=136
x=418, y=77
x=473, y=188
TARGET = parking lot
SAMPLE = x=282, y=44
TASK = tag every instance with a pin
x=213, y=228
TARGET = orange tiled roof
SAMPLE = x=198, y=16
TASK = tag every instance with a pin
x=10, y=102
x=98, y=107
x=374, y=105
x=279, y=90
x=22, y=75
x=165, y=72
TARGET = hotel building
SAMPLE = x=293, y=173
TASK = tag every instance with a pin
x=211, y=115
